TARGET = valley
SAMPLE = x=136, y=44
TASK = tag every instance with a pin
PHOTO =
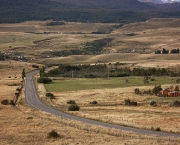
x=36, y=43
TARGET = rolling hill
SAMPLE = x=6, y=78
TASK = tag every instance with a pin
x=121, y=11
x=109, y=4
x=160, y=1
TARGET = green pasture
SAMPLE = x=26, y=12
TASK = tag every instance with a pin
x=19, y=40
x=100, y=83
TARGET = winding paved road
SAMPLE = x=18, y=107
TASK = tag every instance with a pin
x=33, y=100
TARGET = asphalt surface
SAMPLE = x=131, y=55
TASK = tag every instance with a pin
x=33, y=100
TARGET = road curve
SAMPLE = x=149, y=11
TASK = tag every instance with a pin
x=33, y=100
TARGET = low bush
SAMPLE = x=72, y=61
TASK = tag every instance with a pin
x=176, y=103
x=73, y=107
x=152, y=103
x=156, y=89
x=53, y=134
x=30, y=117
x=50, y=95
x=137, y=91
x=18, y=89
x=158, y=129
x=12, y=103
x=152, y=79
x=177, y=88
x=148, y=92
x=178, y=80
x=133, y=103
x=127, y=101
x=5, y=102
x=94, y=102
x=35, y=66
x=71, y=102
x=130, y=103
x=44, y=80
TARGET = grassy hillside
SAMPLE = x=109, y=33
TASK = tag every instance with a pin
x=79, y=43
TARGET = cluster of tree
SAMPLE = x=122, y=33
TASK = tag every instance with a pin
x=55, y=23
x=1, y=56
x=98, y=32
x=147, y=92
x=67, y=52
x=164, y=51
x=43, y=78
x=97, y=45
x=149, y=72
x=78, y=71
x=91, y=48
x=103, y=70
x=124, y=11
x=156, y=89
x=17, y=94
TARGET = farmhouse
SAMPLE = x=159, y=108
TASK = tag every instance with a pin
x=174, y=94
x=168, y=92
x=165, y=91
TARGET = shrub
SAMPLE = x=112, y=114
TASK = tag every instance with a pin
x=35, y=66
x=176, y=88
x=50, y=95
x=137, y=91
x=5, y=102
x=127, y=101
x=153, y=103
x=152, y=79
x=71, y=102
x=156, y=89
x=178, y=80
x=12, y=103
x=158, y=129
x=44, y=80
x=53, y=134
x=133, y=103
x=130, y=103
x=18, y=89
x=94, y=102
x=73, y=107
x=149, y=92
x=176, y=103
x=30, y=117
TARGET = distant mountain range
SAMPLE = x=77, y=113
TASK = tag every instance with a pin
x=121, y=11
x=160, y=1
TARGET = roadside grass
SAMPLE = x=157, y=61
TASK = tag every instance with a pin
x=100, y=83
x=162, y=99
x=110, y=94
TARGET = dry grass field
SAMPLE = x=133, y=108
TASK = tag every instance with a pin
x=111, y=108
x=25, y=125
x=31, y=39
